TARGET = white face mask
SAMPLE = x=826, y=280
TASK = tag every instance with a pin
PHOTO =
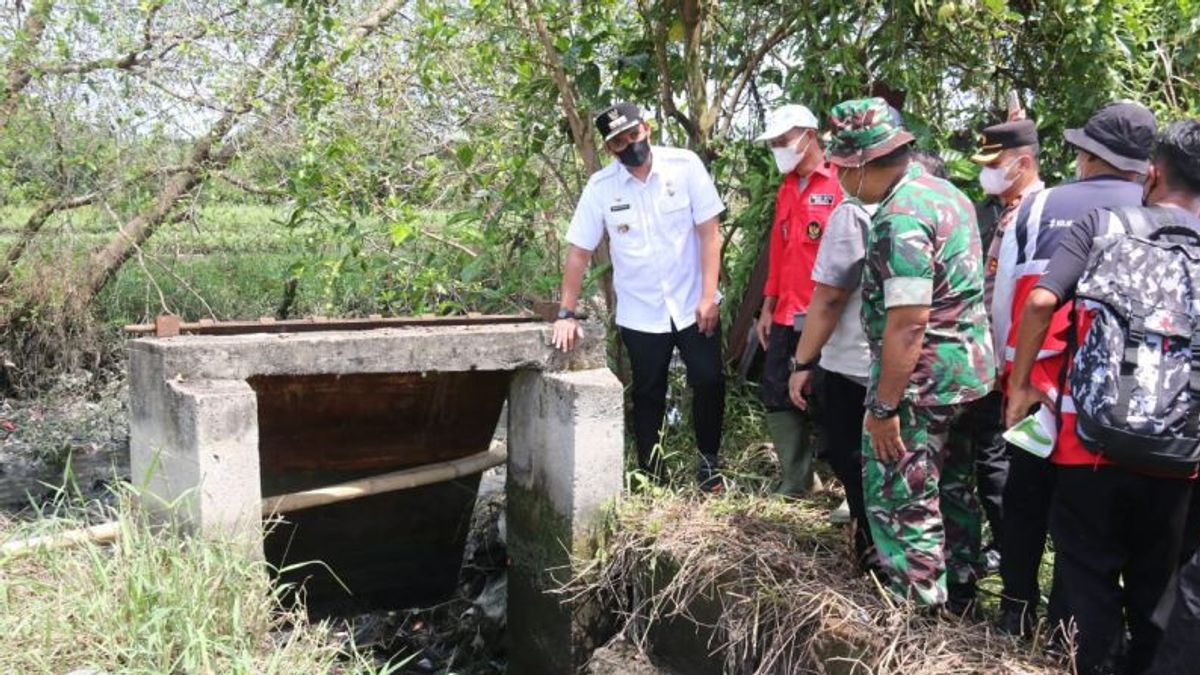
x=993, y=179
x=788, y=158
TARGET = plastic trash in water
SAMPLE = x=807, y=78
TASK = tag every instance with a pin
x=1035, y=434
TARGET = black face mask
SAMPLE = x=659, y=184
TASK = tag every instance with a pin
x=636, y=153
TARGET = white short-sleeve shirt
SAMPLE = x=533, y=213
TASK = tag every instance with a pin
x=651, y=228
x=839, y=264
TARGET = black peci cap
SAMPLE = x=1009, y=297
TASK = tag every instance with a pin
x=1000, y=137
x=1121, y=134
x=618, y=118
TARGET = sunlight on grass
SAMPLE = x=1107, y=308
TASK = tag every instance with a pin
x=155, y=602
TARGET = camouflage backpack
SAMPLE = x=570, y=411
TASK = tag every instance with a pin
x=1135, y=376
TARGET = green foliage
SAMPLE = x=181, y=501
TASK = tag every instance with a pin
x=458, y=110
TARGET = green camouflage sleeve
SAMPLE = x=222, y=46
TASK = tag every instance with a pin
x=907, y=257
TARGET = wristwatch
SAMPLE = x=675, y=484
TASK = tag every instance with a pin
x=795, y=366
x=564, y=313
x=882, y=411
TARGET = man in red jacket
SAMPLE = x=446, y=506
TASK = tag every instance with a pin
x=809, y=193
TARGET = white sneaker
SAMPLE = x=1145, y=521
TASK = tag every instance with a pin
x=840, y=515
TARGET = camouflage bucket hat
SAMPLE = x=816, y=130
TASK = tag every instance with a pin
x=863, y=129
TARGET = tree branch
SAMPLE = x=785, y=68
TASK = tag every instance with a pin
x=581, y=132
x=42, y=214
x=247, y=186
x=19, y=69
x=105, y=262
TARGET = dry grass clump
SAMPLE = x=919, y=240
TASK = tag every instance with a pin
x=774, y=587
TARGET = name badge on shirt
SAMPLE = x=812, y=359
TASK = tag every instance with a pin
x=820, y=200
x=620, y=207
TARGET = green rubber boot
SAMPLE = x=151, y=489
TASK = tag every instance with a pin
x=789, y=431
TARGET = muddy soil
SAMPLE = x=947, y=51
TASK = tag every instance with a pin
x=73, y=437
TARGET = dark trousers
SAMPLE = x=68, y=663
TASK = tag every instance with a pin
x=773, y=389
x=1116, y=540
x=1191, y=530
x=842, y=405
x=1179, y=651
x=982, y=425
x=1027, y=494
x=649, y=361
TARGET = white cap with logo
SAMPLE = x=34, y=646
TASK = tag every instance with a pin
x=784, y=118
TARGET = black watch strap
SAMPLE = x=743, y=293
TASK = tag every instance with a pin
x=564, y=313
x=882, y=411
x=795, y=366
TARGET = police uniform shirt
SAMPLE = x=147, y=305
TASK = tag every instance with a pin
x=651, y=228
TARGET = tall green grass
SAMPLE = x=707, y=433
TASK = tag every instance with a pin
x=234, y=261
x=155, y=602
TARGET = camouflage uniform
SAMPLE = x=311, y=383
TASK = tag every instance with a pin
x=923, y=248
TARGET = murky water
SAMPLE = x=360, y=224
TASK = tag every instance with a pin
x=26, y=484
x=76, y=435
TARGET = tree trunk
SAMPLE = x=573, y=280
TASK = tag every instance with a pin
x=105, y=263
x=693, y=13
x=581, y=134
x=201, y=160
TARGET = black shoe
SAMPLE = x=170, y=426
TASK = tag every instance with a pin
x=960, y=601
x=709, y=478
x=1017, y=621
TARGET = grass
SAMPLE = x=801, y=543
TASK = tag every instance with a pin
x=155, y=602
x=233, y=261
x=751, y=466
x=768, y=590
x=242, y=262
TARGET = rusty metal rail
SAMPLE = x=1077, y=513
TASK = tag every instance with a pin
x=169, y=325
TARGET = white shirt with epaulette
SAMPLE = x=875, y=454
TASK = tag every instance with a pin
x=651, y=228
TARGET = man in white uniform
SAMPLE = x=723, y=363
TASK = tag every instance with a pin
x=659, y=208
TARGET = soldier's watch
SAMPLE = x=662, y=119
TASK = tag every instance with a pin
x=564, y=313
x=795, y=366
x=882, y=411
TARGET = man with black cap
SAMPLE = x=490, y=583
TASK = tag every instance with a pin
x=1008, y=155
x=1112, y=150
x=659, y=208
x=1116, y=529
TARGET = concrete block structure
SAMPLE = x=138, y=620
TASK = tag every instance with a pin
x=218, y=422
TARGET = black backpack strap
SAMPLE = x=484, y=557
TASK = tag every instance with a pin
x=1134, y=220
x=1193, y=421
x=1146, y=221
x=1067, y=365
x=1135, y=336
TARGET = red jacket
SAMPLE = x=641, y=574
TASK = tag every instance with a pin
x=1027, y=248
x=800, y=217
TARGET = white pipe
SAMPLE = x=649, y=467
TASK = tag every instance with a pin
x=405, y=479
x=388, y=482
